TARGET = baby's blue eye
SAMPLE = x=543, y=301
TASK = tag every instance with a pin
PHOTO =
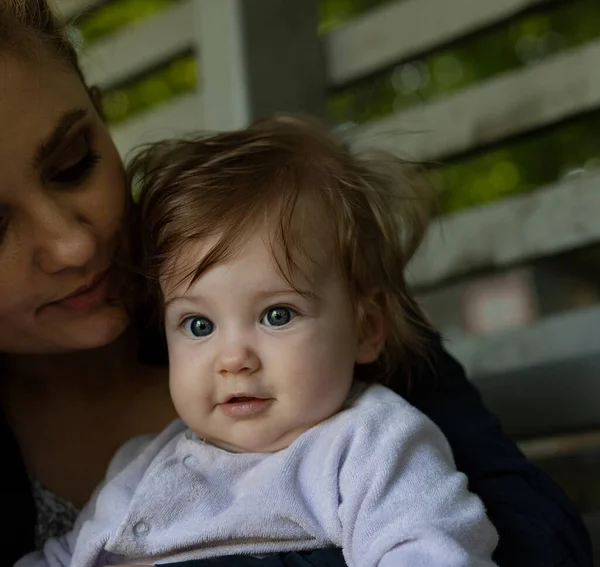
x=198, y=327
x=278, y=317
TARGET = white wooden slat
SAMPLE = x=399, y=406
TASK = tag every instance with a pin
x=570, y=335
x=552, y=397
x=514, y=230
x=561, y=445
x=515, y=102
x=178, y=117
x=404, y=28
x=141, y=45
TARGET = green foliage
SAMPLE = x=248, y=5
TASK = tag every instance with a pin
x=164, y=83
x=520, y=165
x=515, y=44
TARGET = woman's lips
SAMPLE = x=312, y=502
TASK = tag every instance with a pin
x=87, y=298
x=241, y=407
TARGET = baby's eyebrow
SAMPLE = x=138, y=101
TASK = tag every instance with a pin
x=175, y=299
x=261, y=295
x=305, y=293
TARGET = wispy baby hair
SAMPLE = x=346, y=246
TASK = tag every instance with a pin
x=375, y=209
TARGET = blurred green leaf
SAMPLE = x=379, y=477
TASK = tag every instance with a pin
x=164, y=83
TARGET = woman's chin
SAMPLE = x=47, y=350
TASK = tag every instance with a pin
x=57, y=333
x=96, y=331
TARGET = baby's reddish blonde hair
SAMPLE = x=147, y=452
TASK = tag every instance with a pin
x=374, y=208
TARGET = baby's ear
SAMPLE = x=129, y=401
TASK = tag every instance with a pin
x=372, y=328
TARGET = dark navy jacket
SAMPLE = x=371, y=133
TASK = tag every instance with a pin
x=537, y=524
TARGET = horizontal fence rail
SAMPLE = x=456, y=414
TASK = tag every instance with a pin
x=514, y=230
x=519, y=101
x=141, y=46
x=178, y=117
x=402, y=29
x=566, y=336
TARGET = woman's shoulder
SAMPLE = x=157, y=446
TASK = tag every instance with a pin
x=17, y=498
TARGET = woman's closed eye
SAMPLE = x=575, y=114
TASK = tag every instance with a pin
x=75, y=163
x=4, y=218
x=278, y=316
x=197, y=327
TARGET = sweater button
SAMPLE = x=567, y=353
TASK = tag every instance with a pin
x=190, y=462
x=141, y=529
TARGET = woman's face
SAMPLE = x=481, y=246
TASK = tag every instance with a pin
x=62, y=206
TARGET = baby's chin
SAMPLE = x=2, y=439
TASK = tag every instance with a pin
x=255, y=444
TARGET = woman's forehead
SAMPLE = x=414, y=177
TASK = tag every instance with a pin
x=35, y=94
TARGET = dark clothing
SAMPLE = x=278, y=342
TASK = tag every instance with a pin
x=538, y=526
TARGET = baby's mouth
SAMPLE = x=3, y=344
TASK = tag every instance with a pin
x=238, y=399
x=241, y=406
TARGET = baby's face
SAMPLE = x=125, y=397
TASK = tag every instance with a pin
x=253, y=362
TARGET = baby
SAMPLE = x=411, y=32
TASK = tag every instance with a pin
x=278, y=259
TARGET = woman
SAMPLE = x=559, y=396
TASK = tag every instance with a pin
x=76, y=382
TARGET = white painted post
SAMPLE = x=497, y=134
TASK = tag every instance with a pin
x=256, y=57
x=221, y=67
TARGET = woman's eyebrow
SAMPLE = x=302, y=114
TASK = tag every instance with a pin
x=55, y=139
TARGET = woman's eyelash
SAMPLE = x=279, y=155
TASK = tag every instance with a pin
x=78, y=170
x=4, y=218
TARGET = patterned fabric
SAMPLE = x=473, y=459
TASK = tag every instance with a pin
x=55, y=516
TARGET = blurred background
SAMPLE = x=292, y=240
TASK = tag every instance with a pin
x=501, y=100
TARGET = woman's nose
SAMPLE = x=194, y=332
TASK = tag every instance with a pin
x=63, y=240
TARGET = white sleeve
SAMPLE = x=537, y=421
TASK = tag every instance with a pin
x=62, y=558
x=402, y=501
